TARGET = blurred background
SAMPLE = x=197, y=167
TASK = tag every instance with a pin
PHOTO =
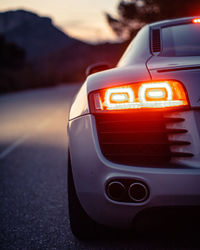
x=44, y=43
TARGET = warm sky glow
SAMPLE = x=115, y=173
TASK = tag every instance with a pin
x=80, y=18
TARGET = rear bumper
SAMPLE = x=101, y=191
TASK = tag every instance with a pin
x=92, y=172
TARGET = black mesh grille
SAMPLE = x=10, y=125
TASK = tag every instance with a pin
x=156, y=40
x=136, y=138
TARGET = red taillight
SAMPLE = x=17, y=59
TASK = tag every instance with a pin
x=162, y=94
x=196, y=20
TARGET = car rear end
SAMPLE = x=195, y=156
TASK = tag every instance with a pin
x=131, y=158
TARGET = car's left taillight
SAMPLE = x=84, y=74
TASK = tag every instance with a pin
x=139, y=96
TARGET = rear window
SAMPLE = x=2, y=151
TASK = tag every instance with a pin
x=181, y=40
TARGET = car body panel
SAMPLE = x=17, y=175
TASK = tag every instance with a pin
x=138, y=51
x=80, y=105
x=185, y=70
x=173, y=63
x=118, y=76
x=172, y=22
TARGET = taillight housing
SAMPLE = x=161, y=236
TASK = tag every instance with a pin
x=140, y=96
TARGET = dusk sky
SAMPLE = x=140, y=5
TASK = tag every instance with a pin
x=83, y=19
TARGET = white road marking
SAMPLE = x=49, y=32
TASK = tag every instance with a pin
x=22, y=139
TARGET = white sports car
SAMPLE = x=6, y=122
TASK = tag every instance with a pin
x=134, y=131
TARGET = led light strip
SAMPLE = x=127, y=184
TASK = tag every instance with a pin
x=128, y=91
x=144, y=87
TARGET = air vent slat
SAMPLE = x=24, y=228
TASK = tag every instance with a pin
x=175, y=151
x=137, y=154
x=181, y=154
x=167, y=131
x=176, y=131
x=173, y=119
x=183, y=143
x=138, y=132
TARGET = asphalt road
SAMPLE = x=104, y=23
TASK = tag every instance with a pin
x=33, y=178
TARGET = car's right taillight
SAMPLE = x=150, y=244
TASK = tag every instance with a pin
x=196, y=20
x=145, y=95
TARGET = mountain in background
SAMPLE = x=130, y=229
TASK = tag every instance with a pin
x=50, y=56
x=37, y=35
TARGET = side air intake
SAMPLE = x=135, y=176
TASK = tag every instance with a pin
x=156, y=40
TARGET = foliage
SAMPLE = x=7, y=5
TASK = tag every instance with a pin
x=11, y=55
x=15, y=72
x=12, y=61
x=133, y=14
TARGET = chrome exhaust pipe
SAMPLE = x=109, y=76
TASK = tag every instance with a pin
x=116, y=190
x=138, y=192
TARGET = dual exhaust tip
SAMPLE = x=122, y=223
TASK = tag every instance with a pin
x=132, y=192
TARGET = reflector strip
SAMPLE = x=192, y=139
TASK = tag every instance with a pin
x=97, y=101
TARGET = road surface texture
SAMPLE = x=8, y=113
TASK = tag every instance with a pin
x=33, y=178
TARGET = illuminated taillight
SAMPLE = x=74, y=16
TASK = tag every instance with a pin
x=196, y=20
x=156, y=94
x=162, y=94
x=118, y=98
x=149, y=92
